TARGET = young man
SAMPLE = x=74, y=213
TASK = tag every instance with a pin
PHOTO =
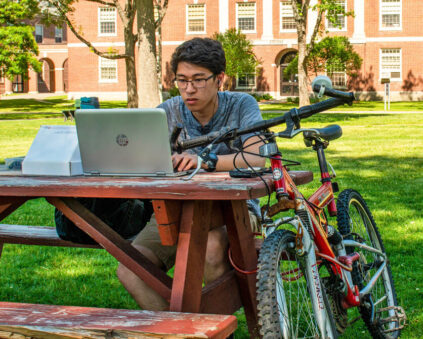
x=199, y=66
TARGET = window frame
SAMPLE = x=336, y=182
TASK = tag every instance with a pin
x=381, y=28
x=100, y=79
x=336, y=29
x=342, y=73
x=238, y=86
x=56, y=29
x=237, y=17
x=382, y=71
x=42, y=33
x=99, y=21
x=285, y=30
x=187, y=31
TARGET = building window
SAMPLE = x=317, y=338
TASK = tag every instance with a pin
x=39, y=33
x=246, y=81
x=58, y=35
x=390, y=14
x=390, y=63
x=338, y=75
x=108, y=70
x=287, y=17
x=196, y=18
x=106, y=21
x=246, y=16
x=340, y=22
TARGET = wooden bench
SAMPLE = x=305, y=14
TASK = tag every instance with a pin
x=19, y=320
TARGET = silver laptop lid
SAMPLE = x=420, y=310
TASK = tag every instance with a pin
x=124, y=141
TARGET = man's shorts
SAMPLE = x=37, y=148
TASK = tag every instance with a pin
x=149, y=237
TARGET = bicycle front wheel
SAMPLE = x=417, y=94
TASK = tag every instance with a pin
x=380, y=310
x=285, y=306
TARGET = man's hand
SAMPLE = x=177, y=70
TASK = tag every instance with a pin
x=184, y=161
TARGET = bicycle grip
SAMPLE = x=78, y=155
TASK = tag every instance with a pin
x=346, y=96
x=199, y=141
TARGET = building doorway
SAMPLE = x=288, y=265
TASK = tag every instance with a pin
x=288, y=83
x=18, y=84
x=46, y=79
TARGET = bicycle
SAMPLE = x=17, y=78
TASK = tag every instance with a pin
x=311, y=274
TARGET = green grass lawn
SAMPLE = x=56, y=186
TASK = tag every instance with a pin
x=380, y=155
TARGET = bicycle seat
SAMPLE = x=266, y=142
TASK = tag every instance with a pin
x=327, y=133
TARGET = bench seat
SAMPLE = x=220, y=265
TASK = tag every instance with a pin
x=49, y=321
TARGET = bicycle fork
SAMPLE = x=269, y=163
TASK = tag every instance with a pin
x=308, y=262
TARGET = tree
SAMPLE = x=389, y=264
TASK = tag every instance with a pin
x=65, y=10
x=142, y=91
x=240, y=57
x=332, y=54
x=18, y=49
x=331, y=10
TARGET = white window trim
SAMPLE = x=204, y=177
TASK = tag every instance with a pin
x=380, y=65
x=336, y=29
x=281, y=30
x=104, y=81
x=255, y=18
x=99, y=25
x=345, y=77
x=389, y=28
x=187, y=32
x=237, y=86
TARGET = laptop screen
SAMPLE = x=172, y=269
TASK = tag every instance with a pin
x=124, y=142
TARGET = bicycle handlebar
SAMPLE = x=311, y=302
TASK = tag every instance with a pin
x=291, y=118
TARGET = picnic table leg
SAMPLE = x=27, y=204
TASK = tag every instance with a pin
x=190, y=256
x=113, y=243
x=10, y=204
x=243, y=253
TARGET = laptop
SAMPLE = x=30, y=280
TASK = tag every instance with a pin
x=124, y=142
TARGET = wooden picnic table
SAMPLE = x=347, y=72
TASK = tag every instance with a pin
x=185, y=212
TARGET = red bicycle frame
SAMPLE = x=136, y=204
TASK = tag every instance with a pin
x=323, y=197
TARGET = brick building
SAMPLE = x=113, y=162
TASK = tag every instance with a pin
x=53, y=53
x=388, y=34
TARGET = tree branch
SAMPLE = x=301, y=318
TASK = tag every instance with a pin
x=315, y=30
x=111, y=4
x=85, y=41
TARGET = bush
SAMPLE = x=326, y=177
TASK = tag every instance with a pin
x=260, y=97
x=173, y=92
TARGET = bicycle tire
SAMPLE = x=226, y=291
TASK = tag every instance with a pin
x=355, y=221
x=278, y=255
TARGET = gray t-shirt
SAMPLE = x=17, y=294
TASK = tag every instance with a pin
x=235, y=110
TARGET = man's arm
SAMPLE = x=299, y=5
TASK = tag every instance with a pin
x=185, y=161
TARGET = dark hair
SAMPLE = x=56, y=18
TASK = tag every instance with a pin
x=204, y=52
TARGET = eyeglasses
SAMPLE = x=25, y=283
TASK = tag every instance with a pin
x=196, y=83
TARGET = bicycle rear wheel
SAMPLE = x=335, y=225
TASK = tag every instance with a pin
x=284, y=303
x=355, y=222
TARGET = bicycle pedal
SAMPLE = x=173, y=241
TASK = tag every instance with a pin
x=399, y=317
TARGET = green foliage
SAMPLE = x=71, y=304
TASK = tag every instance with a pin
x=173, y=92
x=261, y=97
x=240, y=57
x=330, y=54
x=18, y=49
x=334, y=53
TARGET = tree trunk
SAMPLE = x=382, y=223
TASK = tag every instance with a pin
x=302, y=68
x=148, y=89
x=131, y=75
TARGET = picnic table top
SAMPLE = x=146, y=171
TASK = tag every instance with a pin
x=204, y=186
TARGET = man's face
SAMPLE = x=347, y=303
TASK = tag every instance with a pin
x=195, y=96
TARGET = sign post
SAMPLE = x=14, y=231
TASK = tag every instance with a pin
x=387, y=100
